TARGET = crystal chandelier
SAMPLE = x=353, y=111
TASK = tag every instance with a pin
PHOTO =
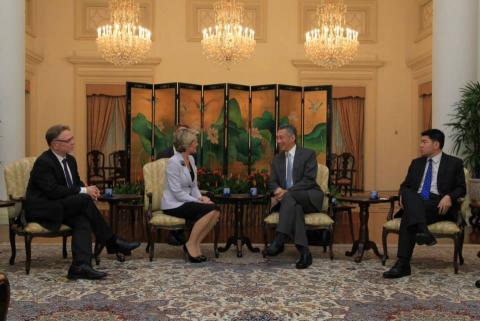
x=331, y=44
x=228, y=42
x=123, y=41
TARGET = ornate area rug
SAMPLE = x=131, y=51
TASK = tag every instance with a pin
x=247, y=288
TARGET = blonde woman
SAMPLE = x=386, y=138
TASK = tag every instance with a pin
x=182, y=198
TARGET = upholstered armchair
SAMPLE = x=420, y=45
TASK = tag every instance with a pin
x=442, y=229
x=313, y=221
x=154, y=175
x=17, y=175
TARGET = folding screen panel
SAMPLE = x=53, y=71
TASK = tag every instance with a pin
x=238, y=132
x=316, y=126
x=165, y=116
x=290, y=108
x=264, y=126
x=213, y=130
x=139, y=128
x=190, y=109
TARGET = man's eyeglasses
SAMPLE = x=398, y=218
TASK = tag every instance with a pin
x=66, y=141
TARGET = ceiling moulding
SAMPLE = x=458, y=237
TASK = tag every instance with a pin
x=200, y=15
x=30, y=18
x=357, y=64
x=361, y=16
x=421, y=66
x=99, y=61
x=421, y=61
x=31, y=57
x=424, y=19
x=90, y=14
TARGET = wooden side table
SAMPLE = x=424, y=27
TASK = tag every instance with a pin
x=364, y=243
x=117, y=203
x=239, y=201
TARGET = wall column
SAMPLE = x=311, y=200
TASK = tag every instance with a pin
x=455, y=30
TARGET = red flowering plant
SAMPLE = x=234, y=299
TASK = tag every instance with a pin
x=209, y=180
x=259, y=179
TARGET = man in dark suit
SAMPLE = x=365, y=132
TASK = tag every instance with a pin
x=428, y=194
x=55, y=195
x=296, y=192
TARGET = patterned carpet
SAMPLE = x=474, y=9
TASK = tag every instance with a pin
x=241, y=289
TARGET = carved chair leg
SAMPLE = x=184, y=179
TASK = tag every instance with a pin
x=460, y=249
x=151, y=248
x=330, y=245
x=456, y=243
x=28, y=251
x=384, y=243
x=265, y=239
x=216, y=234
x=13, y=246
x=64, y=248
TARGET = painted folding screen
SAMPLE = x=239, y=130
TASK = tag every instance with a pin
x=237, y=124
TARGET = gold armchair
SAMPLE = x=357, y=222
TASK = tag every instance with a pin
x=313, y=221
x=154, y=177
x=17, y=175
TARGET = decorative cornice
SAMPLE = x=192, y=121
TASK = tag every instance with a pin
x=354, y=65
x=421, y=61
x=31, y=57
x=98, y=61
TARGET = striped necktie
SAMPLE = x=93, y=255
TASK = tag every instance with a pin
x=427, y=182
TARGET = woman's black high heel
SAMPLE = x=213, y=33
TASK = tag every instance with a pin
x=191, y=259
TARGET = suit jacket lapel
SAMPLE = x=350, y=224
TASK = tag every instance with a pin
x=420, y=172
x=59, y=168
x=296, y=162
x=441, y=171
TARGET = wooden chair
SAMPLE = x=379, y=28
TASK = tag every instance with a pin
x=4, y=296
x=313, y=221
x=345, y=171
x=154, y=174
x=17, y=175
x=118, y=166
x=332, y=167
x=96, y=174
x=442, y=229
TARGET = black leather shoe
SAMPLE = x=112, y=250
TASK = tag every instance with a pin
x=304, y=261
x=477, y=284
x=274, y=249
x=193, y=259
x=176, y=238
x=398, y=270
x=425, y=238
x=84, y=271
x=122, y=246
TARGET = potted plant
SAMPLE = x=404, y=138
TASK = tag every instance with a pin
x=466, y=134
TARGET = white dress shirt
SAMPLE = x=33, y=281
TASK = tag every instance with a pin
x=60, y=159
x=435, y=165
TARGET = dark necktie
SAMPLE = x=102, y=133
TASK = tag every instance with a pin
x=427, y=182
x=67, y=173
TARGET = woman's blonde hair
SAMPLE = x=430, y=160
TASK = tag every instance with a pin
x=183, y=138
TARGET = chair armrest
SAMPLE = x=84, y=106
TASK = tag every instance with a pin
x=149, y=207
x=392, y=200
